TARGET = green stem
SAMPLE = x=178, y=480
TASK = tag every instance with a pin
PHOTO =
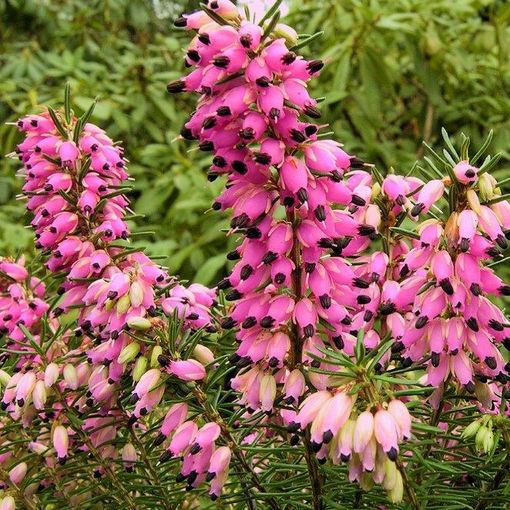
x=408, y=488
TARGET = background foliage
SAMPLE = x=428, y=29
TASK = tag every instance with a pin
x=397, y=71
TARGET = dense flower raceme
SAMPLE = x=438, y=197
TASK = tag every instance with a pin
x=300, y=202
x=74, y=186
x=318, y=313
x=436, y=301
x=253, y=125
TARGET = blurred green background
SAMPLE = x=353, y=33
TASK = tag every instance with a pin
x=397, y=71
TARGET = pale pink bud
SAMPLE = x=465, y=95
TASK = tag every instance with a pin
x=7, y=503
x=402, y=417
x=70, y=376
x=363, y=431
x=386, y=433
x=267, y=392
x=187, y=370
x=38, y=448
x=18, y=472
x=61, y=441
x=39, y=395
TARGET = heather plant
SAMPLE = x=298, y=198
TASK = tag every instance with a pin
x=355, y=356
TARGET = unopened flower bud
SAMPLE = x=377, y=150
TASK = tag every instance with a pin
x=367, y=481
x=451, y=229
x=267, y=392
x=376, y=190
x=109, y=305
x=486, y=186
x=136, y=293
x=480, y=437
x=288, y=33
x=203, y=354
x=60, y=441
x=123, y=304
x=140, y=368
x=70, y=376
x=18, y=472
x=471, y=430
x=38, y=448
x=397, y=493
x=473, y=200
x=157, y=350
x=488, y=441
x=390, y=475
x=139, y=323
x=51, y=374
x=39, y=395
x=7, y=503
x=4, y=378
x=129, y=353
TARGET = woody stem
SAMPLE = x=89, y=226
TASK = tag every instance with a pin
x=296, y=357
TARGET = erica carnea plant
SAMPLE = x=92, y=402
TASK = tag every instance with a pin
x=69, y=383
x=360, y=336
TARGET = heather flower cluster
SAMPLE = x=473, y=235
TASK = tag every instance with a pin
x=253, y=97
x=437, y=300
x=75, y=180
x=21, y=300
x=368, y=441
x=302, y=206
